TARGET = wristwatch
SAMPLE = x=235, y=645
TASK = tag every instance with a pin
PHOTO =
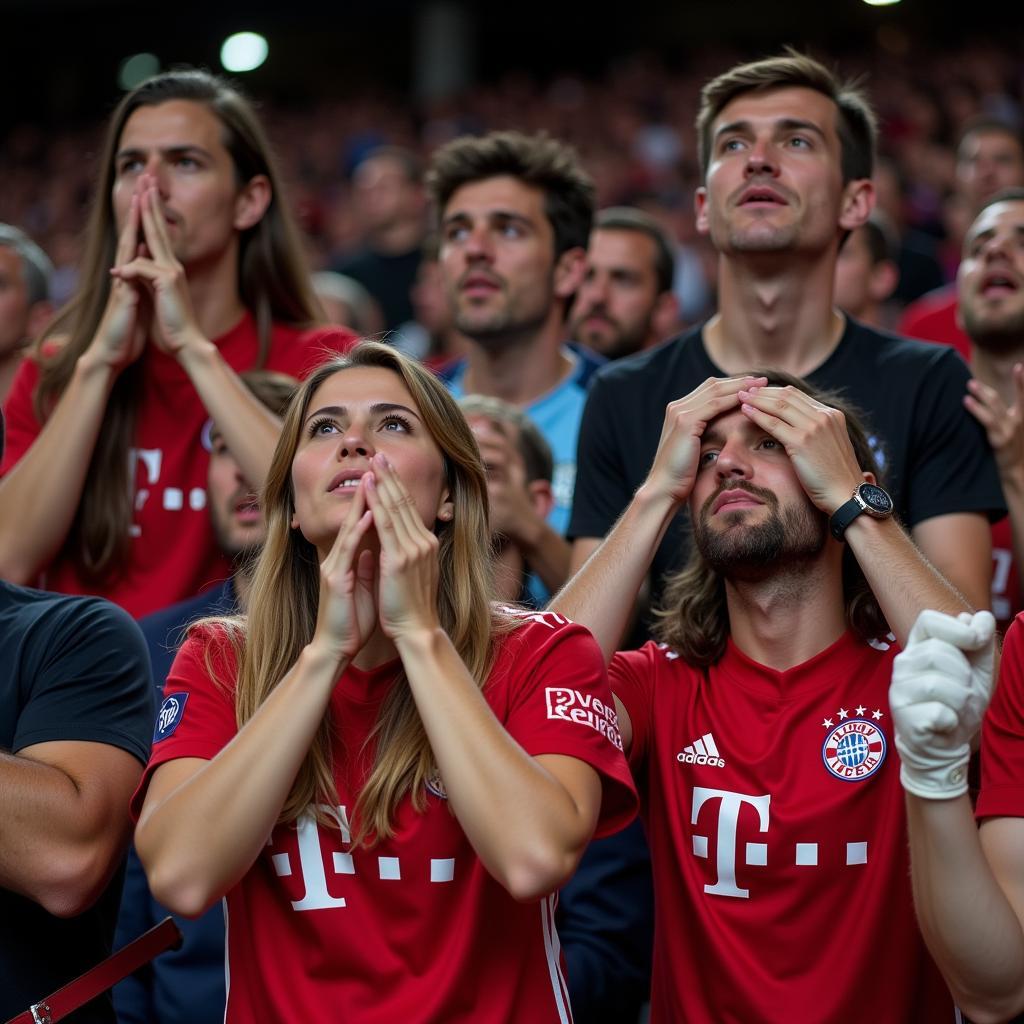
x=869, y=498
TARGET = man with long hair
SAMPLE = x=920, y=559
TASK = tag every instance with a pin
x=759, y=725
x=192, y=273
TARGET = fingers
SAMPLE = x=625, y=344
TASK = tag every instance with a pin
x=353, y=527
x=401, y=514
x=154, y=225
x=932, y=671
x=138, y=269
x=967, y=636
x=128, y=240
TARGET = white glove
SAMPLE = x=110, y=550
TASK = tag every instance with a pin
x=941, y=685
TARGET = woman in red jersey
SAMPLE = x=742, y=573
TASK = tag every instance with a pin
x=384, y=775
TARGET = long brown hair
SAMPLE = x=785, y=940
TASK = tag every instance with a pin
x=273, y=282
x=693, y=617
x=285, y=594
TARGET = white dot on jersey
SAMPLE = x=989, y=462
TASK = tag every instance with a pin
x=282, y=865
x=343, y=864
x=700, y=846
x=757, y=854
x=856, y=853
x=197, y=499
x=442, y=869
x=173, y=499
x=388, y=868
x=806, y=853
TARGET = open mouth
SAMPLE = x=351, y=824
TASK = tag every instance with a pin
x=760, y=195
x=346, y=481
x=247, y=509
x=734, y=500
x=995, y=286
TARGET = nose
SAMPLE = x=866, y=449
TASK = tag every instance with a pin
x=761, y=158
x=355, y=442
x=478, y=244
x=733, y=462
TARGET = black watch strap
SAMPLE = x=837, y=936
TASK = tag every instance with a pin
x=843, y=516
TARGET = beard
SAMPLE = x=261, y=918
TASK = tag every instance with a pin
x=622, y=340
x=998, y=335
x=786, y=540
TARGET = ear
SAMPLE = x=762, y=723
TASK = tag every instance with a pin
x=542, y=498
x=883, y=279
x=857, y=203
x=252, y=201
x=700, y=209
x=446, y=508
x=665, y=319
x=294, y=521
x=570, y=270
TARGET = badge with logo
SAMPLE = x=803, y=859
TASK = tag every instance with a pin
x=169, y=716
x=855, y=748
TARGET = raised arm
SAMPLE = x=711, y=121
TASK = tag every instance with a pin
x=528, y=818
x=816, y=439
x=602, y=593
x=968, y=886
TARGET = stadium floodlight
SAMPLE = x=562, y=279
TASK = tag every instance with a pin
x=244, y=51
x=136, y=69
x=881, y=3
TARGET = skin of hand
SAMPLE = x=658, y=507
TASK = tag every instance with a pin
x=815, y=439
x=677, y=460
x=347, y=612
x=1004, y=425
x=408, y=574
x=159, y=273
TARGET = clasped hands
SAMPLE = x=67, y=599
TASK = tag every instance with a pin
x=392, y=582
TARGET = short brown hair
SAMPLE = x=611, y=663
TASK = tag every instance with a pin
x=629, y=218
x=536, y=160
x=536, y=452
x=857, y=126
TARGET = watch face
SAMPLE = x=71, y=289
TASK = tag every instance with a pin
x=875, y=498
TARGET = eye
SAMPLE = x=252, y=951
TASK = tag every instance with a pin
x=396, y=424
x=708, y=458
x=455, y=232
x=187, y=163
x=322, y=427
x=511, y=230
x=731, y=145
x=770, y=443
x=130, y=165
x=799, y=142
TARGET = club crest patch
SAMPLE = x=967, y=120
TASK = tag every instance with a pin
x=169, y=717
x=854, y=749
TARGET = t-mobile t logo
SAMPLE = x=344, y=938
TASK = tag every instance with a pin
x=730, y=805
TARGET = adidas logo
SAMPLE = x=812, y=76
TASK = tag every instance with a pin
x=702, y=751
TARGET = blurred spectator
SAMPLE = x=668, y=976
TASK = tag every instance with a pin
x=626, y=301
x=866, y=273
x=346, y=301
x=25, y=299
x=105, y=421
x=515, y=214
x=187, y=985
x=388, y=202
x=990, y=157
x=519, y=471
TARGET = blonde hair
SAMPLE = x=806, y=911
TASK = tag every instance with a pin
x=285, y=594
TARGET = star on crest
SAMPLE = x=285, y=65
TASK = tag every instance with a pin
x=860, y=710
x=843, y=713
x=876, y=714
x=827, y=723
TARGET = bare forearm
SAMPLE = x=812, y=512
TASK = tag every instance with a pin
x=249, y=428
x=523, y=823
x=602, y=595
x=56, y=848
x=971, y=929
x=50, y=477
x=901, y=578
x=204, y=835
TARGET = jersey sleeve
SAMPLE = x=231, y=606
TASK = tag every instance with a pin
x=22, y=427
x=1002, y=735
x=559, y=702
x=91, y=681
x=631, y=675
x=601, y=492
x=955, y=470
x=197, y=716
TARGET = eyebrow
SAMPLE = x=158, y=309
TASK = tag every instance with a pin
x=377, y=408
x=460, y=215
x=984, y=236
x=182, y=150
x=786, y=124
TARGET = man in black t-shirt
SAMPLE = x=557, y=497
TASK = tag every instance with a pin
x=76, y=717
x=787, y=154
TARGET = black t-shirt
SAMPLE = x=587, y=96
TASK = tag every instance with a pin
x=388, y=278
x=71, y=668
x=934, y=456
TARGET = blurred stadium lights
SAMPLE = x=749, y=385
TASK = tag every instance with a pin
x=881, y=3
x=243, y=51
x=136, y=69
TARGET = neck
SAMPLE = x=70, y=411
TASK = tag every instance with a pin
x=996, y=369
x=378, y=650
x=787, y=619
x=781, y=318
x=213, y=289
x=522, y=368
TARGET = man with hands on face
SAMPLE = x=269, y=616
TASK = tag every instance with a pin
x=424, y=762
x=759, y=725
x=192, y=273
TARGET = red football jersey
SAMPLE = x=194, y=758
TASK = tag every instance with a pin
x=174, y=552
x=1006, y=595
x=776, y=822
x=1002, y=735
x=414, y=929
x=933, y=318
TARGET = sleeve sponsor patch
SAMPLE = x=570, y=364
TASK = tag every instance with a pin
x=570, y=705
x=169, y=716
